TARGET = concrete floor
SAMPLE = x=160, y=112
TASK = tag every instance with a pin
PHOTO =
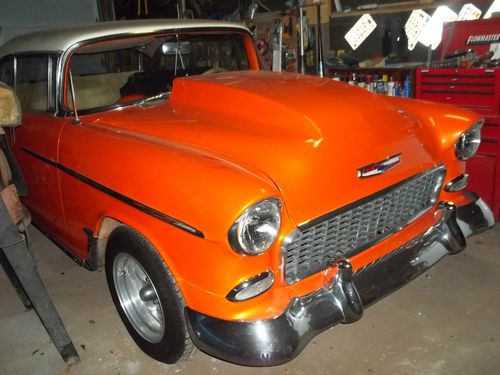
x=445, y=322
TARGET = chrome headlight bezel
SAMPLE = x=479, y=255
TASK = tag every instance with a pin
x=467, y=145
x=238, y=234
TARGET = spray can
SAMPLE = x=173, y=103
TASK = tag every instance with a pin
x=385, y=80
x=407, y=87
x=397, y=89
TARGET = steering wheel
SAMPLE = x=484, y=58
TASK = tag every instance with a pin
x=216, y=69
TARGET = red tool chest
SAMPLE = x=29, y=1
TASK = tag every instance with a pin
x=479, y=90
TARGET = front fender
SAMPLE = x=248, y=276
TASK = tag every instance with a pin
x=441, y=124
x=188, y=184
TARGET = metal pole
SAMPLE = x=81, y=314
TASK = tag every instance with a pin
x=429, y=56
x=14, y=280
x=182, y=11
x=319, y=49
x=302, y=67
x=16, y=252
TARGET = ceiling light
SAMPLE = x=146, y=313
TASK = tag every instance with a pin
x=432, y=33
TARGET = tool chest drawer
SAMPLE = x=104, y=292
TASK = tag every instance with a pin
x=483, y=103
x=477, y=90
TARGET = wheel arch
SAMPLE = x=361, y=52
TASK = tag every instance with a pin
x=107, y=226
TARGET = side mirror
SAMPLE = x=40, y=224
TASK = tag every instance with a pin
x=10, y=109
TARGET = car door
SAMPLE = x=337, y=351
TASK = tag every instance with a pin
x=35, y=142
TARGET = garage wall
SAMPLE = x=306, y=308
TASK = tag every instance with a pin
x=22, y=16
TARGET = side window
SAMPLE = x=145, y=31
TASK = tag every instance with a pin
x=32, y=84
x=7, y=71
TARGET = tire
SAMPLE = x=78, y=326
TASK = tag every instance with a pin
x=147, y=297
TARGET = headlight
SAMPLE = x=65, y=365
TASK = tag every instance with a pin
x=469, y=142
x=257, y=228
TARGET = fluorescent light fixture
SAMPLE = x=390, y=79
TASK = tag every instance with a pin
x=432, y=33
x=414, y=27
x=495, y=7
x=360, y=31
x=469, y=12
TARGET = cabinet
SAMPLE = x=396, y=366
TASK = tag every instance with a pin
x=478, y=90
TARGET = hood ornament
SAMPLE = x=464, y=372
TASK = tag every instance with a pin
x=379, y=167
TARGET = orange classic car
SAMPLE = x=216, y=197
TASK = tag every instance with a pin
x=234, y=209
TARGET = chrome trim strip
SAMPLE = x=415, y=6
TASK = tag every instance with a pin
x=122, y=198
x=49, y=80
x=14, y=62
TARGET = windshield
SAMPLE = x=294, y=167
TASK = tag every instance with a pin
x=132, y=70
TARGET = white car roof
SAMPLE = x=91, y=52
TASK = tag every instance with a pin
x=63, y=38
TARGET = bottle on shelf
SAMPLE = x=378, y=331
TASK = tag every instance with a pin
x=390, y=87
x=385, y=80
x=369, y=83
x=361, y=81
x=352, y=79
x=407, y=87
x=397, y=89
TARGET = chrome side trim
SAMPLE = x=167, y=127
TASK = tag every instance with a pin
x=117, y=195
x=342, y=300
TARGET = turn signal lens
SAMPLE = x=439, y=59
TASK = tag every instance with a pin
x=252, y=287
x=458, y=183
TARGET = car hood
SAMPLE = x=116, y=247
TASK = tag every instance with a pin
x=308, y=135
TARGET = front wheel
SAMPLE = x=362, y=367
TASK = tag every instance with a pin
x=147, y=297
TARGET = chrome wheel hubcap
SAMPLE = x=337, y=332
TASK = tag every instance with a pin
x=138, y=298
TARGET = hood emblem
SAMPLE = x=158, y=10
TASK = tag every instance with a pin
x=379, y=167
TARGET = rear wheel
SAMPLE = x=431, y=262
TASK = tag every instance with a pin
x=147, y=297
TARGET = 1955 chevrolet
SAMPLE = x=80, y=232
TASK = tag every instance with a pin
x=238, y=209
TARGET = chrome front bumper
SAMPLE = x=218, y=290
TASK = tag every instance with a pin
x=278, y=340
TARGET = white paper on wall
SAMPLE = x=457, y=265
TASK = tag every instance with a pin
x=469, y=12
x=414, y=27
x=360, y=31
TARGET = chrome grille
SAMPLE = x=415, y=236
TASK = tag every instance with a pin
x=353, y=228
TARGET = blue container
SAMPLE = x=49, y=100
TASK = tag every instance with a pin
x=407, y=87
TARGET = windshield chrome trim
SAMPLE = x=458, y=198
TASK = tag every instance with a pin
x=65, y=56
